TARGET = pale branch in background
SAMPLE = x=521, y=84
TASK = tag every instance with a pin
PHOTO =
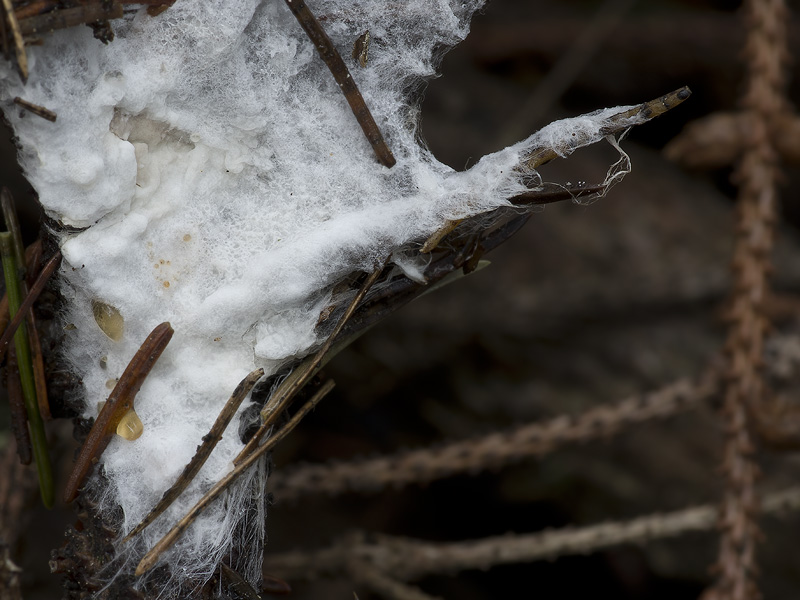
x=493, y=450
x=746, y=393
x=409, y=559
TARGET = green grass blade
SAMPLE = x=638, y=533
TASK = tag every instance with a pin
x=25, y=365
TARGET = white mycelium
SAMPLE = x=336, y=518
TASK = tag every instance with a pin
x=212, y=175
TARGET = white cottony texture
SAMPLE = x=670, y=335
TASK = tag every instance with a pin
x=218, y=180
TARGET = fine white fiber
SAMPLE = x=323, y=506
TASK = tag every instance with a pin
x=212, y=175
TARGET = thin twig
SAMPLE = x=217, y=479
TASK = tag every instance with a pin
x=149, y=560
x=37, y=362
x=203, y=451
x=40, y=111
x=341, y=74
x=547, y=194
x=538, y=156
x=19, y=45
x=408, y=559
x=119, y=403
x=16, y=402
x=303, y=373
x=27, y=303
x=616, y=123
x=491, y=451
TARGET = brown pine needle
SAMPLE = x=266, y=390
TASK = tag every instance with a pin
x=150, y=559
x=119, y=402
x=203, y=451
x=40, y=111
x=303, y=373
x=341, y=74
x=19, y=417
x=37, y=361
x=19, y=45
x=27, y=303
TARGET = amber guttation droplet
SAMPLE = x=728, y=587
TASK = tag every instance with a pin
x=108, y=319
x=130, y=426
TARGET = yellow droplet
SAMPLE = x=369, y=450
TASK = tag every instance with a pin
x=112, y=383
x=166, y=284
x=108, y=319
x=187, y=238
x=130, y=426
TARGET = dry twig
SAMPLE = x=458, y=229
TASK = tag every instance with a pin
x=286, y=392
x=341, y=74
x=491, y=451
x=41, y=111
x=618, y=123
x=409, y=559
x=119, y=403
x=16, y=403
x=204, y=450
x=149, y=560
x=766, y=52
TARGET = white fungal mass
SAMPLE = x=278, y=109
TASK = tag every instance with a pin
x=221, y=183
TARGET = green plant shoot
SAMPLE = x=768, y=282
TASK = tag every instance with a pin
x=38, y=436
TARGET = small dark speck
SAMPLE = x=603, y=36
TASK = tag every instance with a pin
x=684, y=93
x=647, y=113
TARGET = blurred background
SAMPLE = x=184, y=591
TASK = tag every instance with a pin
x=585, y=306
